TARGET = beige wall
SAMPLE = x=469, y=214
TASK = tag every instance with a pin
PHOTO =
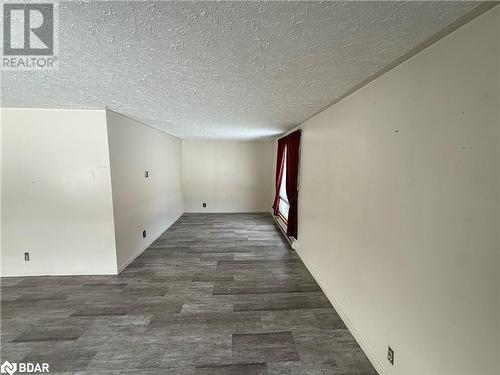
x=152, y=204
x=56, y=193
x=229, y=176
x=399, y=209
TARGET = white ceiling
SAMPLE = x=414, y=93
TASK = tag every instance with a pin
x=225, y=70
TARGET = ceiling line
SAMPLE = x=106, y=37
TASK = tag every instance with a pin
x=455, y=25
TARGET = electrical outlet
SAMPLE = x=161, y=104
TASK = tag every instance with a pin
x=143, y=234
x=204, y=204
x=26, y=257
x=390, y=355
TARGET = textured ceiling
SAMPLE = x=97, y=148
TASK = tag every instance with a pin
x=223, y=70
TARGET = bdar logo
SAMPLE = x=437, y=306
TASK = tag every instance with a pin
x=8, y=368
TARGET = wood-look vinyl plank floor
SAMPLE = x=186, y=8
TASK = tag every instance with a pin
x=215, y=294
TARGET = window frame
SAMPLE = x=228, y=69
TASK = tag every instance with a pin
x=283, y=185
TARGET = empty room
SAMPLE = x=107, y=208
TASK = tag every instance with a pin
x=250, y=187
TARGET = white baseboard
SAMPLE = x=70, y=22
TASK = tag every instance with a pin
x=219, y=211
x=77, y=272
x=148, y=244
x=359, y=339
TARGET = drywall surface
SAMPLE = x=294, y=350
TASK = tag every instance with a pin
x=242, y=69
x=399, y=209
x=228, y=176
x=56, y=193
x=153, y=203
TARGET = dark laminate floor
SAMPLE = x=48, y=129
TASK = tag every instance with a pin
x=215, y=294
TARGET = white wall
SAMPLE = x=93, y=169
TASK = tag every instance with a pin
x=152, y=204
x=56, y=193
x=399, y=209
x=229, y=176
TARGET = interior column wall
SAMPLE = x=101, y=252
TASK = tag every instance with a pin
x=56, y=193
x=141, y=203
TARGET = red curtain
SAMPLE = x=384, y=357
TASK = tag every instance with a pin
x=279, y=173
x=292, y=180
x=292, y=145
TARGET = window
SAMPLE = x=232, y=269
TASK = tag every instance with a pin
x=287, y=182
x=283, y=205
